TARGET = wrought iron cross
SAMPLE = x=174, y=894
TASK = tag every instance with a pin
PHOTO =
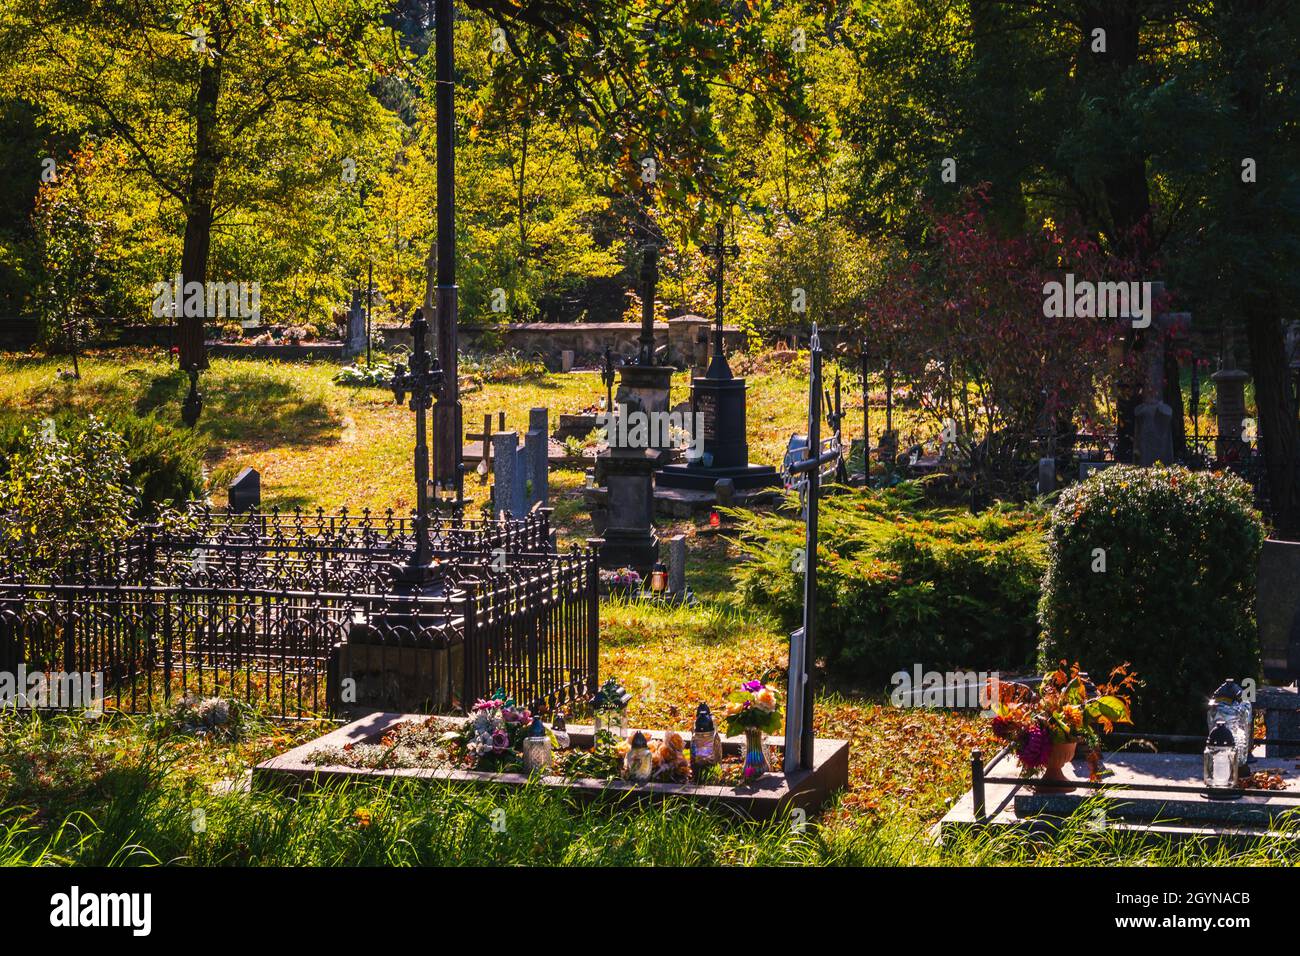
x=607, y=377
x=803, y=643
x=718, y=367
x=419, y=379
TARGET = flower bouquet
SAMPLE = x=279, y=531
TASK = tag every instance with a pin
x=1044, y=729
x=492, y=736
x=624, y=579
x=754, y=710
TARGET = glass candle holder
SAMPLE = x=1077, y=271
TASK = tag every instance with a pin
x=615, y=721
x=706, y=743
x=1228, y=703
x=537, y=754
x=1220, y=758
x=640, y=762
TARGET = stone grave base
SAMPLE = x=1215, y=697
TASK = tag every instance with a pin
x=689, y=502
x=773, y=794
x=1131, y=809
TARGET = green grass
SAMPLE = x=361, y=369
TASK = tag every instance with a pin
x=153, y=803
x=125, y=791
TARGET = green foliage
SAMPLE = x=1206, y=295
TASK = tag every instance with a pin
x=71, y=231
x=1176, y=597
x=900, y=585
x=65, y=492
x=508, y=366
x=360, y=375
x=825, y=259
x=164, y=464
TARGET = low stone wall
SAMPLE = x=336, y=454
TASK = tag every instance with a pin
x=308, y=352
x=686, y=339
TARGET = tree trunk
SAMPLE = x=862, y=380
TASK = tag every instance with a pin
x=1279, y=436
x=1252, y=215
x=1126, y=199
x=198, y=213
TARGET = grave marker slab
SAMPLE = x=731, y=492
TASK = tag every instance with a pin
x=245, y=492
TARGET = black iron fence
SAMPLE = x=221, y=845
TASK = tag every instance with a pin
x=256, y=606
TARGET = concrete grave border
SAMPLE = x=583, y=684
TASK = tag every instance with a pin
x=773, y=795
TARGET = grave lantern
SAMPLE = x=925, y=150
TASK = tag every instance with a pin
x=610, y=707
x=640, y=762
x=1228, y=704
x=537, y=748
x=1221, y=758
x=706, y=745
x=659, y=578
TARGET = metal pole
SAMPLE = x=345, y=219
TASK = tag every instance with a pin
x=866, y=418
x=889, y=396
x=447, y=430
x=810, y=552
x=649, y=282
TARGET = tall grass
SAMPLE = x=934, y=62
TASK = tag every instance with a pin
x=149, y=811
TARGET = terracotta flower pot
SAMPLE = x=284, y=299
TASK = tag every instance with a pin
x=1053, y=778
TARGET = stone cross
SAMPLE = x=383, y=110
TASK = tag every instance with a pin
x=1153, y=417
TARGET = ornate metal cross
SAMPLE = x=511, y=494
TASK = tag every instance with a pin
x=803, y=643
x=419, y=378
x=607, y=377
x=718, y=367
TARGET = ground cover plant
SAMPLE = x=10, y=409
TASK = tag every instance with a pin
x=901, y=581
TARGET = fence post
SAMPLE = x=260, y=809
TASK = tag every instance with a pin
x=474, y=669
x=592, y=597
x=532, y=621
x=977, y=784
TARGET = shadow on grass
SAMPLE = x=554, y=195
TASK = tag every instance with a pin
x=259, y=408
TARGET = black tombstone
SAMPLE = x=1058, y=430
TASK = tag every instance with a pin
x=245, y=492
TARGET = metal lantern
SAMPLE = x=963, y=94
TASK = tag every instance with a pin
x=640, y=762
x=706, y=745
x=1228, y=704
x=609, y=704
x=537, y=748
x=1220, y=770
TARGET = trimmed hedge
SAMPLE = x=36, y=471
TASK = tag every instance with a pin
x=899, y=584
x=1176, y=597
x=166, y=464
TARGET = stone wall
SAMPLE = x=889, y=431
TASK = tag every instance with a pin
x=686, y=339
